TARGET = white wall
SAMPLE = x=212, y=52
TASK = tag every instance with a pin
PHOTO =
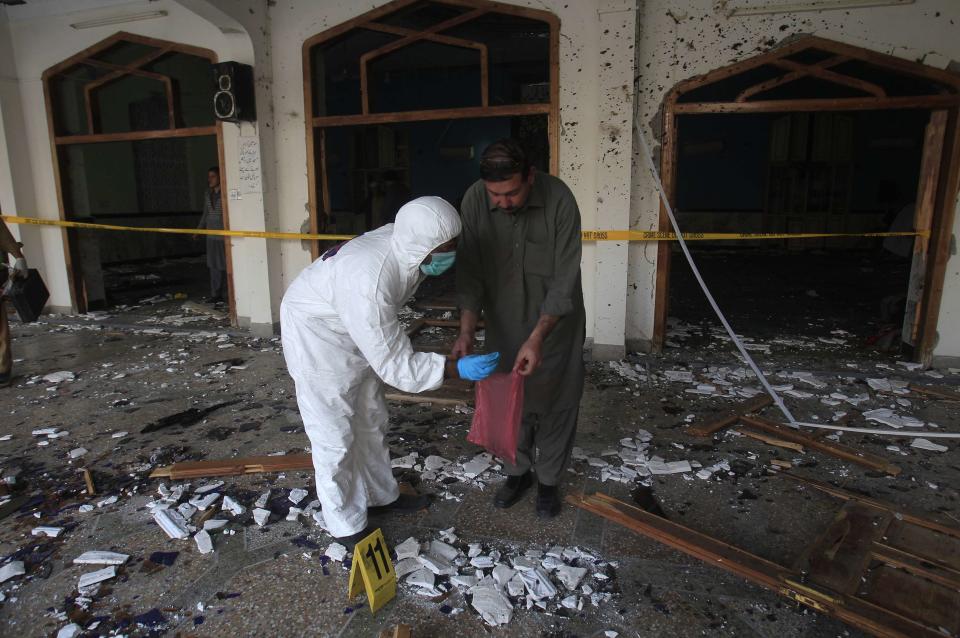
x=41, y=36
x=679, y=40
x=594, y=99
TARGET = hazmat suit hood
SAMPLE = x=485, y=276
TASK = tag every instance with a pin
x=421, y=226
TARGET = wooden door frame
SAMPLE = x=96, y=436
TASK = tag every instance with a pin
x=366, y=20
x=946, y=189
x=74, y=277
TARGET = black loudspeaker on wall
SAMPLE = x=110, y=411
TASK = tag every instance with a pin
x=233, y=92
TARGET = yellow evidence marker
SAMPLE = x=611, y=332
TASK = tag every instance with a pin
x=372, y=565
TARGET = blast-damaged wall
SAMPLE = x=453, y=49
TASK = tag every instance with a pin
x=596, y=69
x=679, y=40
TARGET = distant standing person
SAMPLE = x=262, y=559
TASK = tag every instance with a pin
x=212, y=219
x=518, y=262
x=8, y=245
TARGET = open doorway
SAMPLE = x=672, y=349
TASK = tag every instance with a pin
x=404, y=98
x=806, y=172
x=134, y=137
x=818, y=136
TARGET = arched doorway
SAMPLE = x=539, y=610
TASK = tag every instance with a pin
x=810, y=98
x=401, y=100
x=133, y=134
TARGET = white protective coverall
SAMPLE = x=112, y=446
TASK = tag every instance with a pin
x=342, y=340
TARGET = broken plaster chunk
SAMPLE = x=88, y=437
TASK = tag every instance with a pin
x=551, y=563
x=437, y=564
x=409, y=548
x=336, y=552
x=76, y=453
x=406, y=566
x=186, y=510
x=262, y=501
x=232, y=506
x=205, y=501
x=515, y=586
x=405, y=462
x=95, y=557
x=572, y=602
x=209, y=487
x=502, y=574
x=672, y=467
x=474, y=549
x=523, y=563
x=493, y=606
x=85, y=508
x=423, y=577
x=11, y=570
x=59, y=377
x=172, y=523
x=448, y=536
x=260, y=516
x=570, y=576
x=538, y=584
x=482, y=562
x=203, y=541
x=443, y=550
x=433, y=463
x=460, y=580
x=110, y=500
x=46, y=530
x=296, y=495
x=293, y=514
x=92, y=578
x=474, y=468
x=214, y=524
x=926, y=444
x=69, y=631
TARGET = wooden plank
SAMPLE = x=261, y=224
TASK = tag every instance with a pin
x=829, y=76
x=834, y=449
x=899, y=513
x=716, y=424
x=859, y=613
x=235, y=467
x=938, y=392
x=132, y=136
x=432, y=114
x=821, y=104
x=906, y=594
x=941, y=240
x=838, y=558
x=923, y=221
x=916, y=565
x=786, y=79
x=925, y=543
x=668, y=175
x=771, y=440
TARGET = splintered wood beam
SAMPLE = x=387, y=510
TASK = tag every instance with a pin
x=718, y=423
x=851, y=496
x=936, y=392
x=861, y=613
x=828, y=447
x=772, y=440
x=235, y=467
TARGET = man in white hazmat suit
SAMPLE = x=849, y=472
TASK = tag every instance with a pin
x=342, y=341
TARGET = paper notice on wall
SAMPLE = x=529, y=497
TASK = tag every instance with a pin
x=249, y=165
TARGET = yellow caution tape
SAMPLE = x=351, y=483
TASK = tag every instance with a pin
x=653, y=235
x=177, y=231
x=586, y=235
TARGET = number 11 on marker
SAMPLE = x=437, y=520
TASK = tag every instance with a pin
x=372, y=570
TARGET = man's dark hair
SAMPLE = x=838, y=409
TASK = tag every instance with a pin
x=214, y=169
x=502, y=160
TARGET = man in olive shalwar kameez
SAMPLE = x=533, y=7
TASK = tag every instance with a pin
x=518, y=262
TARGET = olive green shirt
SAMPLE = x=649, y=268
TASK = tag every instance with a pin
x=515, y=267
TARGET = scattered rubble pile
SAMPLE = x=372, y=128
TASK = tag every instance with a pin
x=495, y=582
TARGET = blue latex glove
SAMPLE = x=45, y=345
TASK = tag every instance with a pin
x=477, y=367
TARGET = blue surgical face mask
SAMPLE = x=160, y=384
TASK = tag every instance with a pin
x=439, y=263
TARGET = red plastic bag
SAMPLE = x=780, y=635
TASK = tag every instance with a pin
x=499, y=409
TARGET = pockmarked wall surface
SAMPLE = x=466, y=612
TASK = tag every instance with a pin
x=680, y=40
